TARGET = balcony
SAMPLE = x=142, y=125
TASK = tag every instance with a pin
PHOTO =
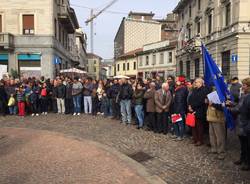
x=67, y=17
x=7, y=41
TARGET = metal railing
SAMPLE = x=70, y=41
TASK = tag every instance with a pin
x=7, y=40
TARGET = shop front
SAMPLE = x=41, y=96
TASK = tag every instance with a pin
x=3, y=65
x=29, y=65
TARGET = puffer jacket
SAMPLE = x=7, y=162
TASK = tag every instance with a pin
x=180, y=100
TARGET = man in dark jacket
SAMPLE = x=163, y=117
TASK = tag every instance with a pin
x=114, y=91
x=196, y=103
x=235, y=89
x=69, y=98
x=3, y=98
x=125, y=96
x=60, y=97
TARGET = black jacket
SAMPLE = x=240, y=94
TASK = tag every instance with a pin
x=126, y=92
x=245, y=114
x=68, y=91
x=197, y=102
x=114, y=90
x=61, y=91
x=180, y=100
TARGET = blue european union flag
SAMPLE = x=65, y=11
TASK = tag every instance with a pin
x=213, y=76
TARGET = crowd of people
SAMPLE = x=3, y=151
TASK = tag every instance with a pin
x=152, y=104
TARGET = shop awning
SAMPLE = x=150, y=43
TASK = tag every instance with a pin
x=29, y=57
x=4, y=57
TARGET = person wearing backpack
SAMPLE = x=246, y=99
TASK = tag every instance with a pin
x=44, y=100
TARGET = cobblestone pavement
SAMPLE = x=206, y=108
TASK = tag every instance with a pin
x=174, y=162
x=40, y=157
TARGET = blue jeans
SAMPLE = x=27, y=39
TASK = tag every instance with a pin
x=77, y=103
x=139, y=114
x=87, y=104
x=12, y=110
x=179, y=127
x=126, y=111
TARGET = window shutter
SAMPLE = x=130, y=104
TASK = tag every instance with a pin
x=28, y=24
x=0, y=23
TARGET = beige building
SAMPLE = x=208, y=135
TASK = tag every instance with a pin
x=94, y=66
x=157, y=59
x=37, y=37
x=126, y=64
x=81, y=46
x=223, y=26
x=135, y=31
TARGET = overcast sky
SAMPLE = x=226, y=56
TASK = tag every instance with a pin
x=107, y=24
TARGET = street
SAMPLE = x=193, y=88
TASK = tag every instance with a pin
x=172, y=161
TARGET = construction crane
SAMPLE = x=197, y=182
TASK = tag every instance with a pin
x=91, y=19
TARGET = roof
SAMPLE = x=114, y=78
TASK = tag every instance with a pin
x=131, y=53
x=141, y=13
x=92, y=56
x=180, y=5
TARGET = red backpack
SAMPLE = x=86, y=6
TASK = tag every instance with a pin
x=44, y=92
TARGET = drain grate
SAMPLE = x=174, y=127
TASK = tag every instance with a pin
x=140, y=156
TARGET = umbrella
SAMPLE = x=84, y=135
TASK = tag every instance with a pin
x=121, y=77
x=72, y=70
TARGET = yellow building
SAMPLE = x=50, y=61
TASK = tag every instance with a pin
x=126, y=64
x=94, y=66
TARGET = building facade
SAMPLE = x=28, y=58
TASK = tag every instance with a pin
x=81, y=44
x=157, y=59
x=108, y=64
x=94, y=66
x=126, y=64
x=223, y=26
x=37, y=37
x=135, y=31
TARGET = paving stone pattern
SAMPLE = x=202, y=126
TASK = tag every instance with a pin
x=174, y=162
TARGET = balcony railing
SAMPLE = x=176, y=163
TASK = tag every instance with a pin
x=67, y=16
x=6, y=40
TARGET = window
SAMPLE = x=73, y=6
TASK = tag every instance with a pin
x=118, y=67
x=55, y=24
x=94, y=69
x=199, y=4
x=189, y=33
x=28, y=24
x=198, y=24
x=127, y=66
x=134, y=65
x=226, y=64
x=161, y=58
x=197, y=68
x=87, y=69
x=228, y=14
x=210, y=23
x=147, y=60
x=181, y=67
x=140, y=60
x=190, y=11
x=188, y=70
x=94, y=62
x=170, y=57
x=124, y=66
x=154, y=60
x=1, y=24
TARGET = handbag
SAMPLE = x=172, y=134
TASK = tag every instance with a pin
x=176, y=118
x=214, y=115
x=190, y=119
